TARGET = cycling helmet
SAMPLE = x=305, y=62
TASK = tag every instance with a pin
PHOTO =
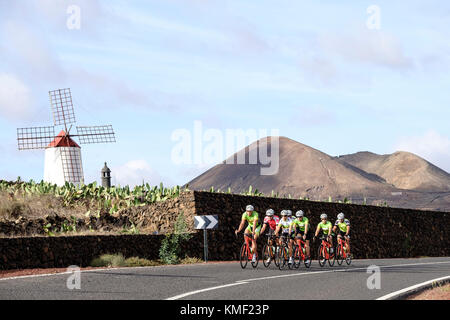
x=289, y=213
x=340, y=216
x=284, y=213
x=270, y=212
x=323, y=216
x=299, y=213
x=249, y=208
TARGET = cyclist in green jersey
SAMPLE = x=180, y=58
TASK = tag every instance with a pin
x=301, y=227
x=325, y=227
x=253, y=228
x=342, y=229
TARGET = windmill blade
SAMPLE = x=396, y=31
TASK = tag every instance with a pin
x=35, y=137
x=62, y=106
x=96, y=134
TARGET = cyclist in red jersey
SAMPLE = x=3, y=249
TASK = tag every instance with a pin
x=272, y=221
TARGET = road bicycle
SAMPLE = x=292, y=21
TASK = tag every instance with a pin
x=341, y=252
x=299, y=250
x=246, y=254
x=269, y=251
x=324, y=254
x=282, y=253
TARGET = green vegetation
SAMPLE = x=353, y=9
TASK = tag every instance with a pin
x=112, y=199
x=169, y=253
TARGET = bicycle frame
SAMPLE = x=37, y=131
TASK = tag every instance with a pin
x=341, y=246
x=325, y=245
x=272, y=238
x=301, y=244
x=248, y=240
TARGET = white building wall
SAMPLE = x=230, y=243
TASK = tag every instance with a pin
x=63, y=164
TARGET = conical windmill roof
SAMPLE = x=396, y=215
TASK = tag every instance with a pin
x=63, y=140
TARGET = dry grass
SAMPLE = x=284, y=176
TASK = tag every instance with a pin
x=36, y=206
x=118, y=260
x=438, y=293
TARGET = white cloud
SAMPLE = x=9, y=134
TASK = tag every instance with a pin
x=134, y=172
x=15, y=98
x=29, y=53
x=366, y=46
x=431, y=146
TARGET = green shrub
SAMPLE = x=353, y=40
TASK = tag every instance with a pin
x=169, y=252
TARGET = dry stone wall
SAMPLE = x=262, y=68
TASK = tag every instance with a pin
x=376, y=232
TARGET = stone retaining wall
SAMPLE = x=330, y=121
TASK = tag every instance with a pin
x=376, y=232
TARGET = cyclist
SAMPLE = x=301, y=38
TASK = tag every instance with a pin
x=325, y=226
x=342, y=226
x=284, y=225
x=289, y=214
x=301, y=227
x=253, y=228
x=272, y=221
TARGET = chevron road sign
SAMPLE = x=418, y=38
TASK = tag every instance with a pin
x=206, y=222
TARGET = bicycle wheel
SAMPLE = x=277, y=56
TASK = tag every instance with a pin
x=321, y=256
x=266, y=256
x=297, y=257
x=348, y=260
x=290, y=265
x=332, y=258
x=255, y=264
x=339, y=255
x=281, y=257
x=307, y=262
x=275, y=249
x=243, y=256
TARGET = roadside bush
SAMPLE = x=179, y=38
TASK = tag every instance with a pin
x=109, y=260
x=169, y=253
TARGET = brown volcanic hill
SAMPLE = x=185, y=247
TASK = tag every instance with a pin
x=404, y=170
x=303, y=171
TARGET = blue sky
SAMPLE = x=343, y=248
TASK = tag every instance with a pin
x=312, y=70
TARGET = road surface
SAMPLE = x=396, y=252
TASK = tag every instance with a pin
x=226, y=280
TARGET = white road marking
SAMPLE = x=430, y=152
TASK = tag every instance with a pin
x=204, y=290
x=293, y=275
x=417, y=286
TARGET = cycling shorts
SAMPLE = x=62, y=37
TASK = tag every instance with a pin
x=257, y=230
x=342, y=234
x=308, y=234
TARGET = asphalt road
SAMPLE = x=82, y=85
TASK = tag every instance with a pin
x=224, y=281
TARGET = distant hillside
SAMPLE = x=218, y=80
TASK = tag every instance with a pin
x=303, y=171
x=401, y=179
x=404, y=170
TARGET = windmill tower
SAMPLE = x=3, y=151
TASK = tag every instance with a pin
x=62, y=154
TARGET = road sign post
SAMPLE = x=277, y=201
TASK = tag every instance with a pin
x=205, y=223
x=205, y=244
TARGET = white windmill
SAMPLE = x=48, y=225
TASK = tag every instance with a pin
x=62, y=154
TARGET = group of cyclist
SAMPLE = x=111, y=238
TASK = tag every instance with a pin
x=288, y=228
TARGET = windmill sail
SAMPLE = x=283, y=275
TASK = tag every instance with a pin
x=34, y=137
x=95, y=134
x=62, y=107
